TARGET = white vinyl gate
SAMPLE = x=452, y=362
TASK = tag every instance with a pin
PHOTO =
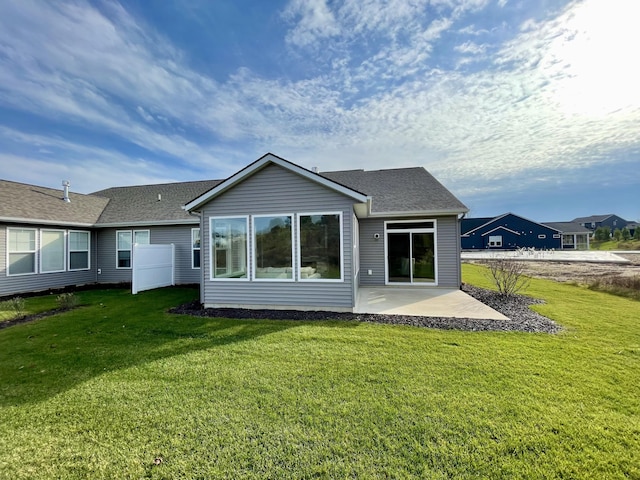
x=153, y=266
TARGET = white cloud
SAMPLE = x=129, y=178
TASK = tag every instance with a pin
x=314, y=20
x=379, y=100
x=470, y=48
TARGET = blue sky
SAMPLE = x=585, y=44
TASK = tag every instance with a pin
x=515, y=105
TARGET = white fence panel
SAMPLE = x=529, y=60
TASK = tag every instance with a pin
x=153, y=266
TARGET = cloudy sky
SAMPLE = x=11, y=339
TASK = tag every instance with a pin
x=515, y=105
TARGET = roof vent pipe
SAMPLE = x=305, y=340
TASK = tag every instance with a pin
x=314, y=169
x=66, y=185
x=159, y=197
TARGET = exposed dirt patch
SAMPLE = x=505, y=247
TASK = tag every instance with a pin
x=580, y=272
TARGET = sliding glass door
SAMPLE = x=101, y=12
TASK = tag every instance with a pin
x=411, y=252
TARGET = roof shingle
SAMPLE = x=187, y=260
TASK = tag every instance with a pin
x=30, y=203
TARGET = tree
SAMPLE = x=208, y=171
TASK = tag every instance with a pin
x=617, y=234
x=626, y=235
x=602, y=234
x=636, y=233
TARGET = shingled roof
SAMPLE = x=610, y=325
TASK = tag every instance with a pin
x=567, y=227
x=593, y=218
x=24, y=203
x=153, y=204
x=393, y=191
x=400, y=190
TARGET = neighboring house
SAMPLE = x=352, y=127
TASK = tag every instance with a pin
x=574, y=235
x=274, y=234
x=508, y=232
x=596, y=221
x=47, y=242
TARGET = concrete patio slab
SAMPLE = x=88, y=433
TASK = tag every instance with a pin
x=432, y=302
x=594, y=256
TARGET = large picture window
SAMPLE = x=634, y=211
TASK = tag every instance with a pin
x=21, y=247
x=229, y=248
x=320, y=239
x=78, y=250
x=52, y=251
x=273, y=247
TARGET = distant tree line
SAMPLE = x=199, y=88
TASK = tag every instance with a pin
x=603, y=234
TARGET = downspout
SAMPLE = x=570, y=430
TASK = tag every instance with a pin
x=459, y=246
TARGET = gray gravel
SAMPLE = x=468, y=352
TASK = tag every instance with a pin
x=516, y=308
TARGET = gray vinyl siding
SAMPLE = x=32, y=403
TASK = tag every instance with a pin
x=179, y=235
x=16, y=284
x=448, y=252
x=372, y=251
x=275, y=190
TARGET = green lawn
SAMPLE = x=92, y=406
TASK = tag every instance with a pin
x=103, y=390
x=615, y=245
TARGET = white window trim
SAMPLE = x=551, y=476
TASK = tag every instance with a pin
x=35, y=252
x=193, y=249
x=542, y=236
x=355, y=256
x=212, y=256
x=298, y=271
x=64, y=250
x=434, y=229
x=497, y=244
x=118, y=250
x=69, y=251
x=133, y=236
x=255, y=246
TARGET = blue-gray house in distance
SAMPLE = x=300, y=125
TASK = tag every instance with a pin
x=596, y=221
x=508, y=232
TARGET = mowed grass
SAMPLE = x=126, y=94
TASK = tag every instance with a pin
x=116, y=385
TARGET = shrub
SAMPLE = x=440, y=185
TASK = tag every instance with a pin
x=622, y=286
x=617, y=234
x=15, y=305
x=626, y=235
x=636, y=233
x=507, y=275
x=602, y=234
x=67, y=301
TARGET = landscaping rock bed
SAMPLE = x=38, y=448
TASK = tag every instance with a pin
x=516, y=308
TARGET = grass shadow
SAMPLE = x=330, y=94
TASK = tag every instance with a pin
x=114, y=330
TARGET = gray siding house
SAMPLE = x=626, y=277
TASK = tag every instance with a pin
x=276, y=235
x=273, y=235
x=50, y=239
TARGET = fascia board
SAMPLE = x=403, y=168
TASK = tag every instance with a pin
x=38, y=221
x=501, y=227
x=418, y=213
x=149, y=223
